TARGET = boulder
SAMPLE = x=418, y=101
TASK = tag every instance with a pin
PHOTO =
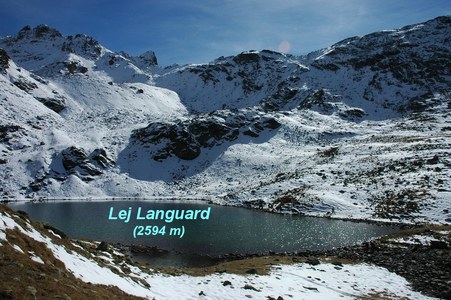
x=439, y=244
x=57, y=104
x=76, y=161
x=73, y=157
x=101, y=159
x=25, y=85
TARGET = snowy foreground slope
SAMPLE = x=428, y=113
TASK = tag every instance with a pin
x=57, y=266
x=358, y=130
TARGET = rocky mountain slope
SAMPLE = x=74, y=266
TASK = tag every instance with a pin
x=357, y=130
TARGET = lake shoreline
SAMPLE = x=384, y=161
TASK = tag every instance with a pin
x=426, y=267
x=422, y=255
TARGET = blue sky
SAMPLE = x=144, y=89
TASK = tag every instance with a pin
x=198, y=31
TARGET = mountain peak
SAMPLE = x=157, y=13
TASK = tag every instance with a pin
x=436, y=22
x=148, y=58
x=45, y=51
x=83, y=45
x=40, y=31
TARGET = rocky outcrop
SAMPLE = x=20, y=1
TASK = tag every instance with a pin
x=25, y=85
x=148, y=59
x=76, y=161
x=4, y=61
x=39, y=32
x=73, y=161
x=8, y=132
x=74, y=67
x=320, y=100
x=57, y=103
x=100, y=158
x=82, y=45
x=186, y=138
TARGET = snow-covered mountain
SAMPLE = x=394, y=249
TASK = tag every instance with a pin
x=360, y=129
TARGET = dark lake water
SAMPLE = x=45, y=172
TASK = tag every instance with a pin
x=227, y=229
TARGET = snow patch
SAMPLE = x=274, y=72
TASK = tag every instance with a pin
x=18, y=249
x=35, y=258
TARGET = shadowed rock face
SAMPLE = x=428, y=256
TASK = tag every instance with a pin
x=100, y=158
x=40, y=31
x=7, y=132
x=76, y=161
x=148, y=58
x=57, y=104
x=4, y=61
x=185, y=139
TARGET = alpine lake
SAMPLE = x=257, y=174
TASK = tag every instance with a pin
x=193, y=233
